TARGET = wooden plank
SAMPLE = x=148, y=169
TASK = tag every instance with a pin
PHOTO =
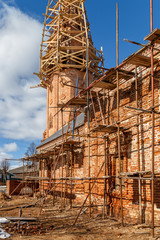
x=105, y=128
x=79, y=100
x=61, y=105
x=105, y=85
x=125, y=74
x=72, y=48
x=70, y=66
x=71, y=142
x=140, y=60
x=153, y=36
x=73, y=31
x=25, y=219
x=135, y=173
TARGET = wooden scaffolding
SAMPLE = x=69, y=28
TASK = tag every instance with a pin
x=63, y=55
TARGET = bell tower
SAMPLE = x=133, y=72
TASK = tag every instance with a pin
x=66, y=51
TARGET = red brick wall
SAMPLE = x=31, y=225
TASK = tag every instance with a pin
x=59, y=93
x=129, y=153
x=14, y=186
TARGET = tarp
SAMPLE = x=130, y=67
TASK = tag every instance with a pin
x=3, y=234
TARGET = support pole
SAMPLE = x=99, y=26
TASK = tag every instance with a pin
x=54, y=162
x=153, y=117
x=138, y=152
x=118, y=114
x=88, y=102
x=72, y=161
x=105, y=180
x=23, y=170
x=74, y=118
x=62, y=204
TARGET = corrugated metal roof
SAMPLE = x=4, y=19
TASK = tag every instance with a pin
x=79, y=122
x=20, y=169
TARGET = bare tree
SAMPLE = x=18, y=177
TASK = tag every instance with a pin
x=31, y=150
x=5, y=167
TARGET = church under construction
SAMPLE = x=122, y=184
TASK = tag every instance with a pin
x=101, y=146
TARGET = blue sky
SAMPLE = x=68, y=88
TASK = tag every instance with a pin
x=23, y=110
x=134, y=20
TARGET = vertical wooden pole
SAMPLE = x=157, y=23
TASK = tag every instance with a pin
x=62, y=160
x=23, y=170
x=118, y=115
x=88, y=101
x=34, y=175
x=67, y=174
x=138, y=151
x=72, y=160
x=47, y=129
x=54, y=162
x=105, y=173
x=89, y=172
x=153, y=117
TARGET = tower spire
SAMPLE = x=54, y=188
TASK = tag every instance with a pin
x=66, y=39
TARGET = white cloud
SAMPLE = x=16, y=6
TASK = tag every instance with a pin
x=22, y=110
x=4, y=155
x=11, y=147
x=6, y=149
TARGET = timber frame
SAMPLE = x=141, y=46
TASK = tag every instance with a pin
x=66, y=41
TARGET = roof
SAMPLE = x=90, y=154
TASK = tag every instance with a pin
x=2, y=172
x=79, y=122
x=20, y=170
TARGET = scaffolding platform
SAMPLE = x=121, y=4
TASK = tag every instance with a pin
x=71, y=142
x=141, y=60
x=137, y=173
x=153, y=36
x=105, y=85
x=111, y=75
x=105, y=129
x=122, y=74
x=78, y=101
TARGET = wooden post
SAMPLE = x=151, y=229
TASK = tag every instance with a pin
x=118, y=117
x=105, y=180
x=138, y=151
x=72, y=160
x=54, y=160
x=153, y=116
x=62, y=204
x=88, y=102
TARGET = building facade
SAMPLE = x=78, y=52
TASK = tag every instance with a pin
x=102, y=142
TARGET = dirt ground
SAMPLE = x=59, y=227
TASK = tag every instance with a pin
x=57, y=224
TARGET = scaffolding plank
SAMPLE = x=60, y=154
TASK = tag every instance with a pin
x=140, y=60
x=122, y=74
x=105, y=84
x=153, y=36
x=135, y=173
x=61, y=105
x=105, y=128
x=72, y=104
x=71, y=142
